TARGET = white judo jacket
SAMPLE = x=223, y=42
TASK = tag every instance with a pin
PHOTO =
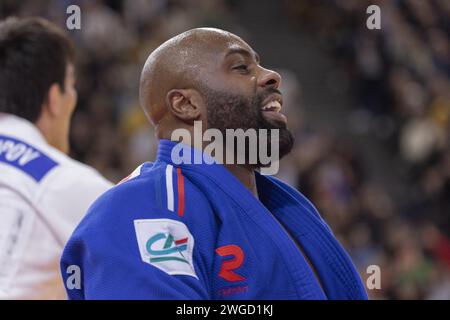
x=43, y=196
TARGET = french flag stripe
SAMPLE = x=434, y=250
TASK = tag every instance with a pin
x=181, y=241
x=169, y=187
x=180, y=184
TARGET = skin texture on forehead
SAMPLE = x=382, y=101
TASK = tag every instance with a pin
x=182, y=62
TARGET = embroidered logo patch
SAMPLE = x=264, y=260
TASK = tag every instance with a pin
x=166, y=244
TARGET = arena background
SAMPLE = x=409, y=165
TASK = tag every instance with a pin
x=370, y=110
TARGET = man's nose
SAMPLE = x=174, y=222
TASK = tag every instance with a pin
x=269, y=78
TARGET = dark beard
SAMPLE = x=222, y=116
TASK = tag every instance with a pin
x=228, y=111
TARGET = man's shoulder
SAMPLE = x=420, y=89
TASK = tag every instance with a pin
x=152, y=191
x=72, y=179
x=70, y=170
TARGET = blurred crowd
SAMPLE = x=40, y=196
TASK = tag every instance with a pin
x=400, y=73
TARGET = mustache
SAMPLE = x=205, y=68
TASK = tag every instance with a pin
x=267, y=92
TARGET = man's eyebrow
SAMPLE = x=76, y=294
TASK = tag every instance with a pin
x=244, y=52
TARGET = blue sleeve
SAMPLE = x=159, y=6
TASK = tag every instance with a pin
x=105, y=250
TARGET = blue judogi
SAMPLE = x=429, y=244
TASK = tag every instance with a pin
x=193, y=231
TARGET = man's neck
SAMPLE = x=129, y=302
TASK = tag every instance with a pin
x=246, y=175
x=56, y=136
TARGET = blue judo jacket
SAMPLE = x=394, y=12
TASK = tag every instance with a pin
x=193, y=231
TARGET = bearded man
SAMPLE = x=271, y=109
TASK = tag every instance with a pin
x=208, y=230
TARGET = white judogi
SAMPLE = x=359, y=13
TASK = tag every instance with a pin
x=43, y=196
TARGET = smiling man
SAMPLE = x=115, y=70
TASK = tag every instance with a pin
x=207, y=231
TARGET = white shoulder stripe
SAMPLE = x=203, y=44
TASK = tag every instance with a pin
x=136, y=172
x=169, y=187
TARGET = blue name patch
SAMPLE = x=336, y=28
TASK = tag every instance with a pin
x=25, y=158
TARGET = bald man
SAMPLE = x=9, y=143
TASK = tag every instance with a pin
x=209, y=229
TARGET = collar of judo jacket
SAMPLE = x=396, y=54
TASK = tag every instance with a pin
x=340, y=276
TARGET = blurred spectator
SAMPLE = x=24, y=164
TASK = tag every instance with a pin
x=402, y=72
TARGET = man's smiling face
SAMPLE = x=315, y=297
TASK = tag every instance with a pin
x=239, y=93
x=213, y=76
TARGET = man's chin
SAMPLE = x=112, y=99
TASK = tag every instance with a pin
x=277, y=120
x=286, y=142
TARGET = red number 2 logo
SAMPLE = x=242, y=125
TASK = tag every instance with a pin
x=231, y=264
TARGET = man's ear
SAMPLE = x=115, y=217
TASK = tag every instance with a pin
x=185, y=104
x=53, y=101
